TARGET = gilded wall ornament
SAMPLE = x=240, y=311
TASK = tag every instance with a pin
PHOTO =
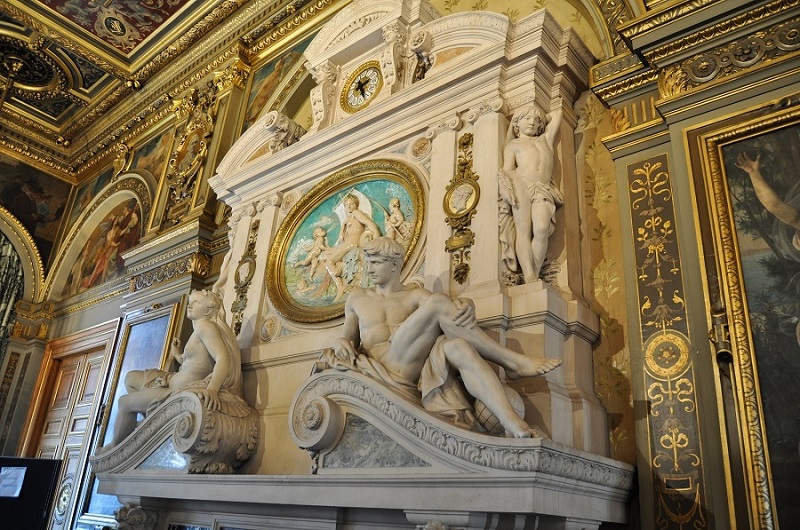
x=190, y=152
x=669, y=374
x=460, y=205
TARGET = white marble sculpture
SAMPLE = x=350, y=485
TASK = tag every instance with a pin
x=211, y=371
x=416, y=342
x=529, y=197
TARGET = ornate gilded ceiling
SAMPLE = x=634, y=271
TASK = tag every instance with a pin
x=65, y=65
x=77, y=76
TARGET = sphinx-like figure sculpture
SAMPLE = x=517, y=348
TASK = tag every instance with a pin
x=211, y=371
x=416, y=341
x=528, y=196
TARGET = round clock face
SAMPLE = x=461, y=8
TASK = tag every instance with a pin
x=362, y=86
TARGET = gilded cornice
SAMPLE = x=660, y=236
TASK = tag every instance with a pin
x=615, y=67
x=660, y=17
x=273, y=31
x=718, y=31
x=190, y=38
x=117, y=292
x=195, y=263
x=12, y=141
x=751, y=52
x=627, y=84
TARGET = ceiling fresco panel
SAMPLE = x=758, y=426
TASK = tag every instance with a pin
x=121, y=24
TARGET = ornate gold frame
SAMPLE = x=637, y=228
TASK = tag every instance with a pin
x=348, y=177
x=724, y=247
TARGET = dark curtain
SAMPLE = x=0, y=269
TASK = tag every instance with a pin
x=11, y=286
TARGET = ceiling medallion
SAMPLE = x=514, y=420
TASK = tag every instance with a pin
x=30, y=71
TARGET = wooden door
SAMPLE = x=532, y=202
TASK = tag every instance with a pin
x=65, y=409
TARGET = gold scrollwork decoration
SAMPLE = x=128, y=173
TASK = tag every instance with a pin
x=460, y=205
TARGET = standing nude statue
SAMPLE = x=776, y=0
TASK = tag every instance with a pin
x=413, y=340
x=210, y=364
x=527, y=188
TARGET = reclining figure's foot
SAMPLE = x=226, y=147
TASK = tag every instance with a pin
x=524, y=431
x=533, y=367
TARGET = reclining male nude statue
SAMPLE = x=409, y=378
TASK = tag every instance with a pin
x=210, y=365
x=413, y=340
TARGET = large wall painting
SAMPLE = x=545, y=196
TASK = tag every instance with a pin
x=100, y=258
x=87, y=193
x=36, y=199
x=761, y=174
x=268, y=78
x=317, y=257
x=152, y=156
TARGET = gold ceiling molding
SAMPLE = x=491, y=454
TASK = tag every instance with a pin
x=196, y=263
x=99, y=128
x=719, y=30
x=615, y=13
x=46, y=163
x=12, y=11
x=615, y=66
x=115, y=293
x=660, y=17
x=159, y=84
x=188, y=39
x=778, y=41
x=262, y=38
x=626, y=85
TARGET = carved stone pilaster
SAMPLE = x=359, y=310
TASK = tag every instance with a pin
x=323, y=96
x=245, y=271
x=460, y=204
x=394, y=35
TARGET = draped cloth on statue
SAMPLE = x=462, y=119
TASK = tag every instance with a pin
x=230, y=393
x=439, y=390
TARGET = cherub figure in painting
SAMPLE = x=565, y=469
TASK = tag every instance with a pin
x=319, y=244
x=397, y=227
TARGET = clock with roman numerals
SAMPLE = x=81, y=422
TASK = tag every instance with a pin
x=362, y=86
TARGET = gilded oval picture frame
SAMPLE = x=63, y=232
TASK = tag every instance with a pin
x=317, y=258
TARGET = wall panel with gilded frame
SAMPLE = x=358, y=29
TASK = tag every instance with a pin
x=751, y=236
x=143, y=343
